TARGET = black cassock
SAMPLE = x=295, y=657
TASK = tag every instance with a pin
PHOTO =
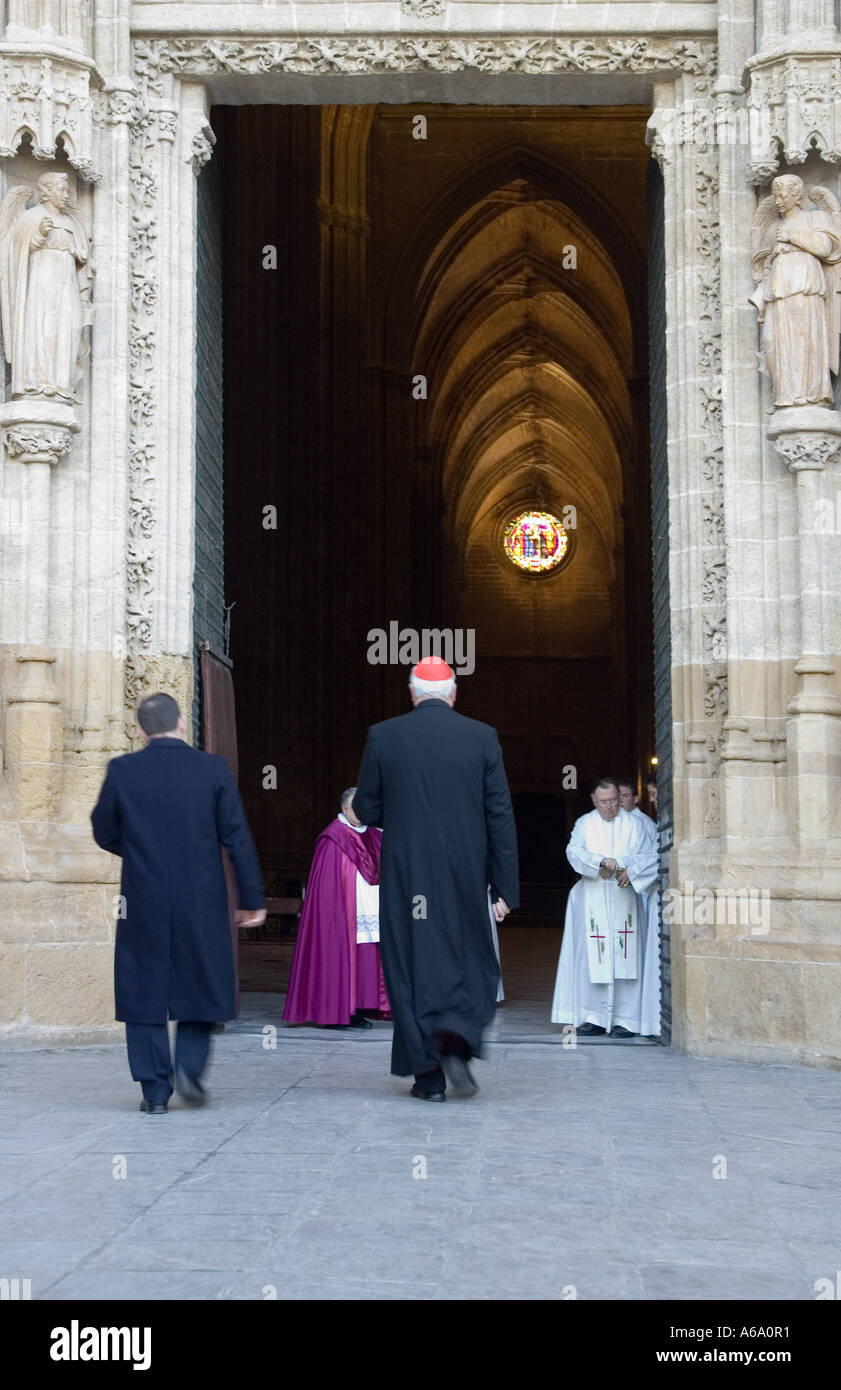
x=167, y=810
x=435, y=782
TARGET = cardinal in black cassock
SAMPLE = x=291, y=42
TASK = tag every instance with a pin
x=435, y=782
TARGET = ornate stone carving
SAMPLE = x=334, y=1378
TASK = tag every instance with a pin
x=117, y=106
x=715, y=700
x=713, y=559
x=38, y=443
x=713, y=587
x=685, y=139
x=167, y=121
x=424, y=9
x=45, y=285
x=808, y=449
x=797, y=267
x=157, y=61
x=202, y=147
x=794, y=105
x=713, y=517
x=402, y=53
x=37, y=431
x=712, y=470
x=50, y=100
x=143, y=327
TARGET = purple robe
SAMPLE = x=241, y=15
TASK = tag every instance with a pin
x=332, y=976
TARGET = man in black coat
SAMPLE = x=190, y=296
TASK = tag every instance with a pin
x=166, y=810
x=435, y=782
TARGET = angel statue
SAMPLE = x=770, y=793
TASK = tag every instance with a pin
x=45, y=284
x=797, y=266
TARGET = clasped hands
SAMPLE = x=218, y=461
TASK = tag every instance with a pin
x=609, y=868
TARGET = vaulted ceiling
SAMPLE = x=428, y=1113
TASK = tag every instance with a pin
x=523, y=326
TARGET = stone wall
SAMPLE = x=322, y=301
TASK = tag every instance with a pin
x=99, y=606
x=662, y=643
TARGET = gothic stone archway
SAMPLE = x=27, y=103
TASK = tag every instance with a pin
x=176, y=80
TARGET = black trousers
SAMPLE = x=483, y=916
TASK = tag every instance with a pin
x=149, y=1058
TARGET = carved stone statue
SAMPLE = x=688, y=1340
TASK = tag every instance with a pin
x=45, y=283
x=797, y=267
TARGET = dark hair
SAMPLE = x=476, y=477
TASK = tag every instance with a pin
x=627, y=782
x=651, y=778
x=601, y=782
x=158, y=714
x=347, y=796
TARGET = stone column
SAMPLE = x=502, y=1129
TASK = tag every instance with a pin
x=171, y=140
x=808, y=439
x=682, y=138
x=37, y=435
x=753, y=753
x=795, y=77
x=100, y=667
x=56, y=931
x=47, y=89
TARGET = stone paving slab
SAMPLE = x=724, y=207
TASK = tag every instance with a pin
x=312, y=1174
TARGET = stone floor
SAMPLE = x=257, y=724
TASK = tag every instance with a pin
x=529, y=963
x=587, y=1171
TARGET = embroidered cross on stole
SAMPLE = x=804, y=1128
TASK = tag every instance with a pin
x=611, y=916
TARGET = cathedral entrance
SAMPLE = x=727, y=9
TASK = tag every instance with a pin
x=434, y=380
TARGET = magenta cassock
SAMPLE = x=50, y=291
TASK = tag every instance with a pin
x=332, y=976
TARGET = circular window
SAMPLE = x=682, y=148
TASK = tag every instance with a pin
x=535, y=542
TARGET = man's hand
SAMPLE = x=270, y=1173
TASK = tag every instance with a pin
x=610, y=864
x=622, y=879
x=251, y=916
x=500, y=909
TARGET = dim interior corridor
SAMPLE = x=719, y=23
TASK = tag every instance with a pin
x=450, y=433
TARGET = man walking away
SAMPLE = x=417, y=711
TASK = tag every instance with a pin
x=166, y=811
x=435, y=782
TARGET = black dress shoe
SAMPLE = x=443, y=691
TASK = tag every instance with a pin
x=154, y=1107
x=589, y=1030
x=190, y=1089
x=420, y=1094
x=620, y=1032
x=360, y=1021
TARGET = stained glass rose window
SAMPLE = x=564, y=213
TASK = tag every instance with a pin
x=535, y=542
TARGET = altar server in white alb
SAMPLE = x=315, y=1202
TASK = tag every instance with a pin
x=604, y=972
x=650, y=901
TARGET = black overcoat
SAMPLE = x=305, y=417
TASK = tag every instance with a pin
x=435, y=782
x=166, y=810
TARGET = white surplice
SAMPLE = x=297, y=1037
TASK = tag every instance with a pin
x=629, y=1003
x=367, y=912
x=367, y=900
x=650, y=898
